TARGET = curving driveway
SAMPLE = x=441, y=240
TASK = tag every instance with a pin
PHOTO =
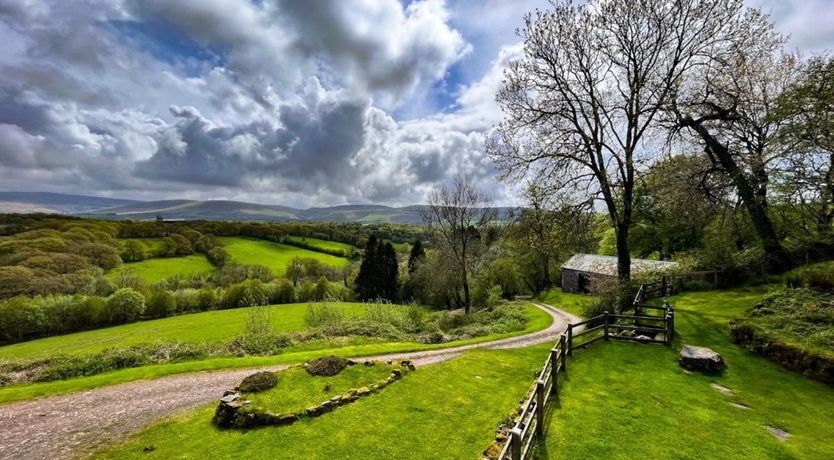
x=76, y=424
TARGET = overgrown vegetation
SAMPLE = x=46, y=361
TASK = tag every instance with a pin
x=793, y=327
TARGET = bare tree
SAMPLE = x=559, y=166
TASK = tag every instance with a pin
x=582, y=101
x=729, y=107
x=462, y=219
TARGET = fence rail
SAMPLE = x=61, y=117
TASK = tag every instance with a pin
x=528, y=427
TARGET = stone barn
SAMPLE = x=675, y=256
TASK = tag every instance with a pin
x=588, y=273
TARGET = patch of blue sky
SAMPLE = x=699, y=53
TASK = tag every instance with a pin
x=169, y=44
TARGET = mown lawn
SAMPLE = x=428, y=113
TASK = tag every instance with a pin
x=275, y=256
x=214, y=326
x=444, y=411
x=158, y=269
x=625, y=400
x=568, y=301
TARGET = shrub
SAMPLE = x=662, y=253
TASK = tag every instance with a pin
x=125, y=305
x=282, y=291
x=207, y=299
x=258, y=321
x=161, y=304
x=323, y=314
x=259, y=381
x=187, y=300
x=327, y=366
x=818, y=276
x=264, y=344
x=307, y=291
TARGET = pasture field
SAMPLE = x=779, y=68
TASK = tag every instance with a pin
x=211, y=327
x=444, y=411
x=275, y=256
x=158, y=269
x=326, y=245
x=626, y=400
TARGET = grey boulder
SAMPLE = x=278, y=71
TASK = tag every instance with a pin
x=701, y=359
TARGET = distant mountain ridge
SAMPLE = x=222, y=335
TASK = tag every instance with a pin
x=120, y=209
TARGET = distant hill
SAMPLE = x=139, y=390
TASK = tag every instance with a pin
x=109, y=208
x=56, y=202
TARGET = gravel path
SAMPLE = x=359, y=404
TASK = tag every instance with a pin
x=76, y=424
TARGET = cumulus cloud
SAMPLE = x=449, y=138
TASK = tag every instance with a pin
x=274, y=101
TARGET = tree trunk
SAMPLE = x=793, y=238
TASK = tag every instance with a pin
x=756, y=204
x=623, y=254
x=466, y=299
x=546, y=271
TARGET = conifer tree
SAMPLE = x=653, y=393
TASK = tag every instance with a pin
x=417, y=255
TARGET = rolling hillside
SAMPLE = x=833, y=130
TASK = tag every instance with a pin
x=108, y=208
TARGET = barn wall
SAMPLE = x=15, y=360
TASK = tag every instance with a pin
x=570, y=280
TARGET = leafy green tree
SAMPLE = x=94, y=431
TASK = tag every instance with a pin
x=161, y=304
x=133, y=251
x=124, y=306
x=367, y=284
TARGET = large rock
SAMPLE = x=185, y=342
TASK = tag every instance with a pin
x=701, y=359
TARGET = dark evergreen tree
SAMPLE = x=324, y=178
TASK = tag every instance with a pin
x=390, y=272
x=417, y=255
x=366, y=279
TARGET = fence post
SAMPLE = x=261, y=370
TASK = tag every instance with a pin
x=605, y=325
x=515, y=446
x=554, y=370
x=570, y=339
x=563, y=343
x=539, y=408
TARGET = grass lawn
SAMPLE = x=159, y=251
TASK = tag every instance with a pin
x=214, y=326
x=568, y=301
x=154, y=270
x=322, y=244
x=275, y=256
x=297, y=390
x=625, y=400
x=444, y=411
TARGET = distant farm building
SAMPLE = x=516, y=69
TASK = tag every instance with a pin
x=590, y=272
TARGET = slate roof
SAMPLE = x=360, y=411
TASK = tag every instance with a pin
x=607, y=265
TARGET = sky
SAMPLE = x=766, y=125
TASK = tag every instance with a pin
x=293, y=102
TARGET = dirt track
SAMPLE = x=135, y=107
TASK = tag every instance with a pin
x=75, y=424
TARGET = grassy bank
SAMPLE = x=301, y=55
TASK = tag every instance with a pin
x=625, y=400
x=568, y=301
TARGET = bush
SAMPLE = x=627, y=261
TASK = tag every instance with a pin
x=258, y=321
x=263, y=344
x=161, y=304
x=259, y=381
x=307, y=291
x=323, y=314
x=327, y=366
x=125, y=305
x=207, y=299
x=282, y=291
x=817, y=276
x=187, y=300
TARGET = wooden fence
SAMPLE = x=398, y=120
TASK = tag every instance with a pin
x=648, y=324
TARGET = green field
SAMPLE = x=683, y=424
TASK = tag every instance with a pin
x=210, y=327
x=322, y=244
x=275, y=256
x=625, y=400
x=444, y=411
x=155, y=270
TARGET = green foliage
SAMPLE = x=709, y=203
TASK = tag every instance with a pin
x=819, y=276
x=161, y=303
x=259, y=381
x=124, y=306
x=378, y=276
x=258, y=322
x=323, y=314
x=327, y=366
x=696, y=286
